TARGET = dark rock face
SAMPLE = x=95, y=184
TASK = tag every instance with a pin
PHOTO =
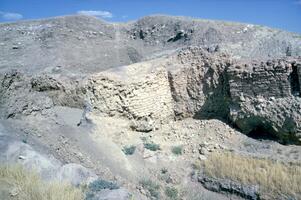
x=219, y=185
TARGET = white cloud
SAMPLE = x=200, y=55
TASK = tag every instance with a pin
x=96, y=13
x=10, y=15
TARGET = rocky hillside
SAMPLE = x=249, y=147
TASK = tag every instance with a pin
x=162, y=95
x=81, y=44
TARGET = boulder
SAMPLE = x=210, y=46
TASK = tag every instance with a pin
x=145, y=124
x=228, y=186
x=75, y=174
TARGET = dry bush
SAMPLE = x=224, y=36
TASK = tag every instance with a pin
x=152, y=187
x=273, y=177
x=29, y=186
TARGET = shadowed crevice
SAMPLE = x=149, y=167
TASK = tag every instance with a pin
x=294, y=81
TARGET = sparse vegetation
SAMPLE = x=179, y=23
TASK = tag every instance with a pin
x=151, y=146
x=129, y=150
x=100, y=184
x=165, y=176
x=172, y=193
x=164, y=170
x=273, y=177
x=177, y=150
x=97, y=186
x=152, y=187
x=29, y=186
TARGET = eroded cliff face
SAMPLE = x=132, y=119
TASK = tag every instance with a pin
x=257, y=97
x=261, y=98
x=265, y=96
x=23, y=94
x=198, y=84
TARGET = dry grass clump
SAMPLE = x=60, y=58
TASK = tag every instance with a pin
x=29, y=186
x=273, y=177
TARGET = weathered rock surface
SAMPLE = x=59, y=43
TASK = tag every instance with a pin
x=265, y=96
x=198, y=83
x=256, y=96
x=227, y=186
x=24, y=94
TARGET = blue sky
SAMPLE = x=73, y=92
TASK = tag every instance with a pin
x=283, y=14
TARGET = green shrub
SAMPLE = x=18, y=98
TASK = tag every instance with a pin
x=151, y=187
x=151, y=146
x=100, y=184
x=129, y=150
x=172, y=193
x=89, y=196
x=177, y=150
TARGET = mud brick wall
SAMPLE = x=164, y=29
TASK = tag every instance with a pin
x=269, y=79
